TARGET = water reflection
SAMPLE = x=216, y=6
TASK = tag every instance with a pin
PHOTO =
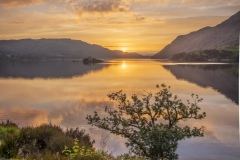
x=124, y=66
x=67, y=101
x=223, y=78
x=46, y=69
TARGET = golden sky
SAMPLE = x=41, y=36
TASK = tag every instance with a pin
x=143, y=26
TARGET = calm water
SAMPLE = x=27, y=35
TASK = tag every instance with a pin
x=64, y=92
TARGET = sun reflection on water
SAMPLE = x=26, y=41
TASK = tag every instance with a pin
x=124, y=65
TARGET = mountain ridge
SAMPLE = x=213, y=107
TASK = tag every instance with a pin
x=225, y=34
x=46, y=48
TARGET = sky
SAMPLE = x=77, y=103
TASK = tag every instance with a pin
x=143, y=26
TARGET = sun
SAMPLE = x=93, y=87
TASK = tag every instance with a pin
x=124, y=49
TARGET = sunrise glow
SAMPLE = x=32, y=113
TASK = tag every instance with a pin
x=146, y=26
x=124, y=49
x=126, y=77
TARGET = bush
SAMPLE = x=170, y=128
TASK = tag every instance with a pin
x=128, y=157
x=83, y=139
x=40, y=142
x=9, y=132
x=45, y=137
x=9, y=147
x=82, y=153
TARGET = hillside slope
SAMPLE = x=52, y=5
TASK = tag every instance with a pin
x=223, y=35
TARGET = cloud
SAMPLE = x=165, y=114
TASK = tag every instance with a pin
x=18, y=3
x=184, y=8
x=102, y=6
x=139, y=17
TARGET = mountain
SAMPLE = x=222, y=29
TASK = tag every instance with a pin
x=127, y=54
x=55, y=48
x=221, y=36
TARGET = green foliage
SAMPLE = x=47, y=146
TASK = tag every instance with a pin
x=9, y=147
x=42, y=142
x=82, y=153
x=151, y=126
x=230, y=54
x=5, y=131
x=8, y=123
x=81, y=136
x=9, y=132
x=234, y=49
x=127, y=156
x=74, y=152
x=46, y=155
x=45, y=137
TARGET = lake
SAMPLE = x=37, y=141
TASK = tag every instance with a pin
x=65, y=92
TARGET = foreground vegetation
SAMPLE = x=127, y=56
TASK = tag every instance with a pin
x=42, y=142
x=49, y=142
x=151, y=128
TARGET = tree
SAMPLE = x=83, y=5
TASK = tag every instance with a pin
x=151, y=127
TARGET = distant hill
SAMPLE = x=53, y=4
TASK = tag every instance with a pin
x=56, y=48
x=222, y=36
x=127, y=54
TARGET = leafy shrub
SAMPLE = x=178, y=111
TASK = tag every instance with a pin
x=45, y=137
x=82, y=153
x=81, y=136
x=8, y=123
x=9, y=147
x=42, y=142
x=9, y=132
x=127, y=156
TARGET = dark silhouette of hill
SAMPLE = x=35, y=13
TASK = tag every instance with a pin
x=221, y=36
x=54, y=48
x=46, y=69
x=128, y=54
x=222, y=78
